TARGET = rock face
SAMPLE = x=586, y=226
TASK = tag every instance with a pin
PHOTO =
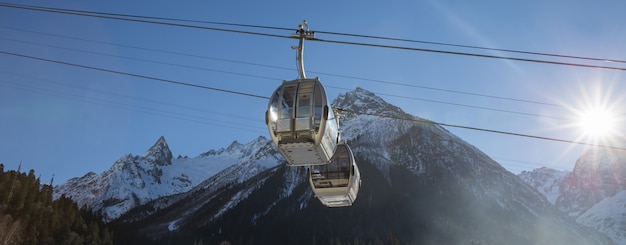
x=130, y=182
x=421, y=185
x=545, y=180
x=598, y=174
x=133, y=181
x=594, y=193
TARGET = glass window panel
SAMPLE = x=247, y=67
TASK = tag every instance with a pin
x=288, y=98
x=305, y=92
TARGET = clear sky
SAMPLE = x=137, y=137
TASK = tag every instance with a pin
x=66, y=120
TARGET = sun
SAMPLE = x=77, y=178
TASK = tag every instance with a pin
x=597, y=123
x=597, y=114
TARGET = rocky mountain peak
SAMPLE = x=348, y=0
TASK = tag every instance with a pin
x=234, y=146
x=160, y=153
x=599, y=173
x=426, y=185
x=546, y=180
x=594, y=193
x=363, y=101
x=602, y=161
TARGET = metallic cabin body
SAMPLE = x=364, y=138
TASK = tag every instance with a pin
x=302, y=123
x=337, y=183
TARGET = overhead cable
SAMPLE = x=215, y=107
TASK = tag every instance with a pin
x=79, y=13
x=470, y=54
x=136, y=75
x=414, y=119
x=147, y=110
x=464, y=105
x=278, y=79
x=285, y=68
x=420, y=120
x=138, y=20
x=338, y=34
x=159, y=102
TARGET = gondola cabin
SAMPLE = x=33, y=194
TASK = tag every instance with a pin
x=301, y=123
x=337, y=183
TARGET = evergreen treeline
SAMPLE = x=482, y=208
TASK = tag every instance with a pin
x=28, y=215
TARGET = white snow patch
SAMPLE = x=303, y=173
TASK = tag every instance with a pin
x=608, y=216
x=173, y=225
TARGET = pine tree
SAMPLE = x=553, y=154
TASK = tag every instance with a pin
x=28, y=215
x=9, y=230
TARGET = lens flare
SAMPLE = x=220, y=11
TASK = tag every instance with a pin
x=597, y=123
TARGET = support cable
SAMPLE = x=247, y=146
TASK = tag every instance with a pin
x=329, y=33
x=83, y=13
x=414, y=119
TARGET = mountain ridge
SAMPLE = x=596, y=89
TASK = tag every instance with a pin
x=133, y=181
x=421, y=184
x=593, y=193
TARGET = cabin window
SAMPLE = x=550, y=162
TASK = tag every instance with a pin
x=318, y=103
x=289, y=94
x=334, y=174
x=305, y=92
x=274, y=106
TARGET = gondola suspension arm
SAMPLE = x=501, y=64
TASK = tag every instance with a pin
x=302, y=33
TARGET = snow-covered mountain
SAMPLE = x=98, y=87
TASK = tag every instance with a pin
x=133, y=181
x=594, y=193
x=545, y=180
x=598, y=174
x=421, y=185
x=608, y=216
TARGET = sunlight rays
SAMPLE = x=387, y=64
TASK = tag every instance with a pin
x=599, y=115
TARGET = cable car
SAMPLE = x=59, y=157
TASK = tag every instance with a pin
x=302, y=123
x=336, y=184
x=300, y=119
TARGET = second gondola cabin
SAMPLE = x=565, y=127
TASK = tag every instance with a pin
x=302, y=123
x=336, y=184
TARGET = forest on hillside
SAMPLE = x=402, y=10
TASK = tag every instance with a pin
x=29, y=215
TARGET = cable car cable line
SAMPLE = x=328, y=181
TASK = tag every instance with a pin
x=331, y=33
x=291, y=69
x=169, y=114
x=160, y=103
x=149, y=49
x=141, y=20
x=151, y=17
x=471, y=54
x=136, y=75
x=72, y=12
x=355, y=112
x=277, y=79
x=138, y=59
x=135, y=108
x=439, y=89
x=488, y=130
x=463, y=105
x=474, y=47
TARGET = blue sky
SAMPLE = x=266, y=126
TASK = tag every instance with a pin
x=67, y=121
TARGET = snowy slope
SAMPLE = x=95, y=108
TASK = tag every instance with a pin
x=135, y=180
x=598, y=174
x=219, y=194
x=434, y=155
x=545, y=180
x=421, y=184
x=608, y=216
x=594, y=193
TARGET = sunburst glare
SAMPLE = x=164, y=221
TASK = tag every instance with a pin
x=597, y=123
x=598, y=117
